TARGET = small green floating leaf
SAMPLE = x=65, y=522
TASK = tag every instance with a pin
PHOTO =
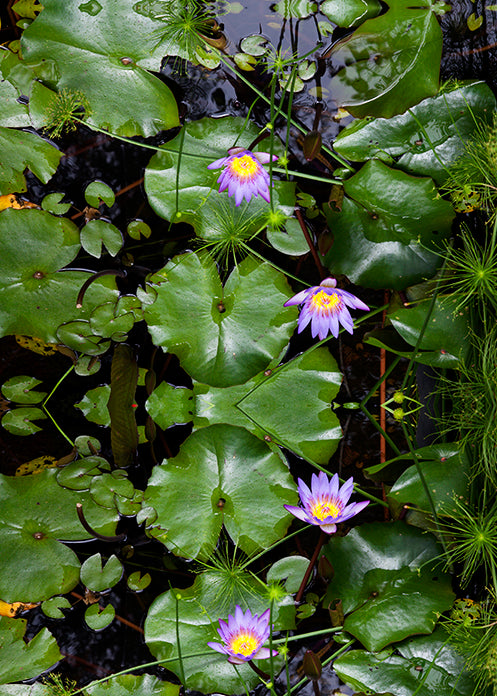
x=98, y=576
x=138, y=228
x=138, y=582
x=98, y=619
x=94, y=405
x=21, y=390
x=52, y=607
x=290, y=571
x=100, y=233
x=97, y=192
x=19, y=420
x=52, y=204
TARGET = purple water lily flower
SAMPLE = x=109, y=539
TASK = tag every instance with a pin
x=243, y=636
x=325, y=504
x=325, y=306
x=243, y=174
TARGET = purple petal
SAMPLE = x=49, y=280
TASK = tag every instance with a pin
x=346, y=490
x=300, y=513
x=353, y=301
x=328, y=528
x=218, y=163
x=236, y=660
x=352, y=509
x=264, y=157
x=219, y=647
x=264, y=654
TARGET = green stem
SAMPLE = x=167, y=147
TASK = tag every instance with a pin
x=385, y=376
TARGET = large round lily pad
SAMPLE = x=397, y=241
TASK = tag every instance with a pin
x=35, y=565
x=222, y=335
x=222, y=475
x=105, y=49
x=35, y=295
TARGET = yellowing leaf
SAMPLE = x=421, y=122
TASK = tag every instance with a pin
x=474, y=22
x=36, y=344
x=36, y=466
x=14, y=609
x=11, y=200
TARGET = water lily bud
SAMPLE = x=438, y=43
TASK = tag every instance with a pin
x=312, y=665
x=312, y=145
x=336, y=613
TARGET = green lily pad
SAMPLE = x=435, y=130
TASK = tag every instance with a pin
x=53, y=607
x=99, y=577
x=97, y=191
x=94, y=405
x=21, y=151
x=35, y=296
x=350, y=14
x=222, y=475
x=426, y=665
x=20, y=660
x=138, y=582
x=78, y=474
x=106, y=488
x=106, y=55
x=131, y=685
x=177, y=181
x=21, y=390
x=391, y=61
x=52, y=204
x=98, y=619
x=213, y=596
x=447, y=474
x=389, y=583
x=13, y=114
x=426, y=139
x=97, y=234
x=387, y=226
x=290, y=571
x=19, y=421
x=222, y=335
x=289, y=404
x=35, y=565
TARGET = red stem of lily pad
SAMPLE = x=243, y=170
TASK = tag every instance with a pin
x=312, y=563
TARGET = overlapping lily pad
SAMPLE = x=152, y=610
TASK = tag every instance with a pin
x=223, y=335
x=20, y=660
x=222, y=475
x=388, y=225
x=35, y=565
x=389, y=579
x=35, y=295
x=391, y=62
x=105, y=50
x=426, y=139
x=426, y=665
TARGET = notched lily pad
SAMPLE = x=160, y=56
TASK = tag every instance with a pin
x=20, y=660
x=30, y=529
x=222, y=475
x=222, y=335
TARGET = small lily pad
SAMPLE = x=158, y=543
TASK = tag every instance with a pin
x=98, y=619
x=98, y=577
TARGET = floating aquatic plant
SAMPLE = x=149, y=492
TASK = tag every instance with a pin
x=65, y=110
x=325, y=307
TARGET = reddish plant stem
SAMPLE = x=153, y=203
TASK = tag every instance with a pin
x=317, y=260
x=258, y=671
x=312, y=563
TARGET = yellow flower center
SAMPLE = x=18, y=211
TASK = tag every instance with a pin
x=326, y=302
x=244, y=644
x=244, y=167
x=321, y=509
